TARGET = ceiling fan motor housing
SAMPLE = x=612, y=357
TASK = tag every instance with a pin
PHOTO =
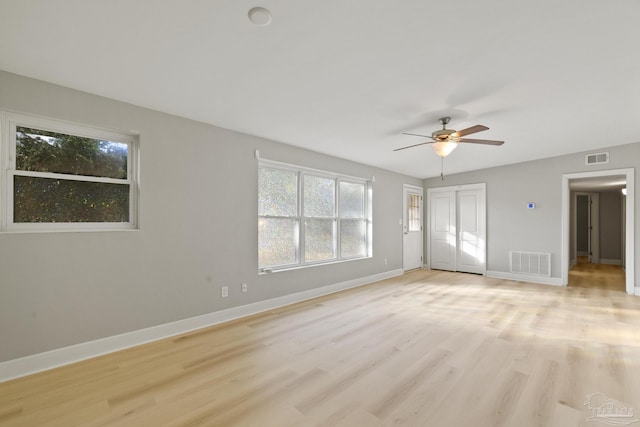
x=443, y=135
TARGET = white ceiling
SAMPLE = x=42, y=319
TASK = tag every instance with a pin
x=347, y=77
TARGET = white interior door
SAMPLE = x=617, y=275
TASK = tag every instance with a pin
x=471, y=231
x=442, y=230
x=412, y=242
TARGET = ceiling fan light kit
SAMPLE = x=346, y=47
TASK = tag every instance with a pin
x=444, y=148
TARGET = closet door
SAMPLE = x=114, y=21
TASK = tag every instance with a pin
x=442, y=227
x=457, y=228
x=471, y=231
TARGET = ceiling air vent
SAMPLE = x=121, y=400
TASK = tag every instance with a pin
x=597, y=158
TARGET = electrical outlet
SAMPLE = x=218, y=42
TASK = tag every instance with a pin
x=224, y=291
x=243, y=287
x=385, y=261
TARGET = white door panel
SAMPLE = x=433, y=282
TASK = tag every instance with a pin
x=443, y=231
x=470, y=248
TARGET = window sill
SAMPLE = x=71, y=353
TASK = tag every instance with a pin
x=65, y=230
x=301, y=267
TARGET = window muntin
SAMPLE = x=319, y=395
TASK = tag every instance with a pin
x=62, y=176
x=331, y=219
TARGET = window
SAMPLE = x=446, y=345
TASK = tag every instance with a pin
x=278, y=221
x=319, y=218
x=61, y=176
x=414, y=212
x=353, y=221
x=308, y=217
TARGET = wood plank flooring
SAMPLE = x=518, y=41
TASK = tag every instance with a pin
x=597, y=276
x=429, y=348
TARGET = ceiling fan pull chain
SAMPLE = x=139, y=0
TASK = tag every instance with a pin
x=442, y=168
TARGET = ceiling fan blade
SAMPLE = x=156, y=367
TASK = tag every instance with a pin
x=481, y=141
x=415, y=134
x=411, y=146
x=472, y=129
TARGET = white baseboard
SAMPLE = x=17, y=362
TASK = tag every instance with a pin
x=544, y=280
x=572, y=263
x=637, y=291
x=63, y=356
x=610, y=261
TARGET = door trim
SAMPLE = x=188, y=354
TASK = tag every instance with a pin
x=630, y=240
x=405, y=189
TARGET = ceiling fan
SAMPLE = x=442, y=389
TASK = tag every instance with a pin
x=444, y=141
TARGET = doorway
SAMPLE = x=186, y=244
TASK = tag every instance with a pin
x=629, y=224
x=596, y=276
x=457, y=228
x=412, y=239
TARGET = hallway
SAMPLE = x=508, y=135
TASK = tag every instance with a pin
x=597, y=276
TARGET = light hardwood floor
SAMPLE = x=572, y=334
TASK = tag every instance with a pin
x=429, y=348
x=596, y=276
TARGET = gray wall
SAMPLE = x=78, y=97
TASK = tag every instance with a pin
x=198, y=231
x=511, y=226
x=611, y=226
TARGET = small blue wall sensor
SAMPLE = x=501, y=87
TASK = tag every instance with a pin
x=531, y=205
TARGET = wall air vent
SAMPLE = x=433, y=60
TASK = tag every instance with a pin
x=596, y=158
x=535, y=263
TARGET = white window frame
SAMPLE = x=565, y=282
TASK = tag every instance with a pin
x=300, y=218
x=9, y=121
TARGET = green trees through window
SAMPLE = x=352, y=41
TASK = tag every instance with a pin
x=42, y=199
x=44, y=151
x=71, y=175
